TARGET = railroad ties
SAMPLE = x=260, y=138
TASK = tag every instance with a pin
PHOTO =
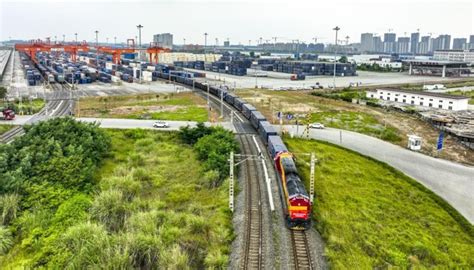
x=301, y=250
x=58, y=105
x=253, y=246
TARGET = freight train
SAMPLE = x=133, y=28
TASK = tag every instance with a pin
x=296, y=201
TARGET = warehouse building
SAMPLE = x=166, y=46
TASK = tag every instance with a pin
x=437, y=68
x=424, y=99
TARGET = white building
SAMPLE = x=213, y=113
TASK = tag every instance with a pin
x=418, y=98
x=454, y=55
x=164, y=40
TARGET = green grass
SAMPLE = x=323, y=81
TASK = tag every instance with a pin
x=171, y=181
x=5, y=128
x=469, y=94
x=179, y=107
x=373, y=216
x=28, y=107
x=190, y=113
x=359, y=122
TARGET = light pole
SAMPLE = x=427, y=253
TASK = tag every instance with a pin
x=115, y=41
x=205, y=42
x=139, y=48
x=107, y=41
x=97, y=48
x=335, y=56
x=75, y=34
x=64, y=38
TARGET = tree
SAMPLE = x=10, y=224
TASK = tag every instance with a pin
x=343, y=59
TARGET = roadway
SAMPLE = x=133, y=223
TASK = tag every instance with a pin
x=147, y=124
x=451, y=181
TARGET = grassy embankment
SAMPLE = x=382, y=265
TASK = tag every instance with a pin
x=373, y=216
x=110, y=199
x=5, y=128
x=180, y=107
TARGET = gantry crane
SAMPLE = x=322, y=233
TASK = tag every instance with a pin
x=154, y=50
x=33, y=47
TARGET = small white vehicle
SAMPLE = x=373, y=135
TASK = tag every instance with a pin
x=161, y=124
x=316, y=126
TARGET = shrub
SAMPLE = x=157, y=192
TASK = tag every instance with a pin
x=83, y=246
x=110, y=208
x=6, y=240
x=192, y=135
x=9, y=205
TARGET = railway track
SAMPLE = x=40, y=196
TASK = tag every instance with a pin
x=59, y=104
x=253, y=240
x=301, y=250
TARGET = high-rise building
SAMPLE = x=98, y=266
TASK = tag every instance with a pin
x=442, y=42
x=367, y=42
x=403, y=45
x=425, y=45
x=378, y=45
x=389, y=37
x=459, y=43
x=415, y=38
x=389, y=41
x=164, y=40
x=471, y=42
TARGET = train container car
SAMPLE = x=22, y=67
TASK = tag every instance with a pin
x=265, y=130
x=229, y=98
x=247, y=109
x=255, y=118
x=297, y=204
x=213, y=90
x=238, y=102
x=275, y=146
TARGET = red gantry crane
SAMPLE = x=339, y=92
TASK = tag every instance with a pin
x=154, y=50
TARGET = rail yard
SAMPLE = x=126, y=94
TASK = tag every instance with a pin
x=265, y=153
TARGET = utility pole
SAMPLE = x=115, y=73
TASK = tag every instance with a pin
x=139, y=49
x=208, y=105
x=231, y=181
x=311, y=177
x=222, y=104
x=335, y=56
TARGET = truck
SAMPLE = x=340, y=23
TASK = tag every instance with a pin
x=297, y=77
x=8, y=114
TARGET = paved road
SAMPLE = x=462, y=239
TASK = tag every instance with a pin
x=145, y=124
x=451, y=181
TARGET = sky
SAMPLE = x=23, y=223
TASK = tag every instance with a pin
x=238, y=20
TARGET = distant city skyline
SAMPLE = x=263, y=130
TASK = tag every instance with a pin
x=238, y=20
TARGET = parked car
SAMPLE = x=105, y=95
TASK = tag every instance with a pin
x=161, y=124
x=316, y=125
